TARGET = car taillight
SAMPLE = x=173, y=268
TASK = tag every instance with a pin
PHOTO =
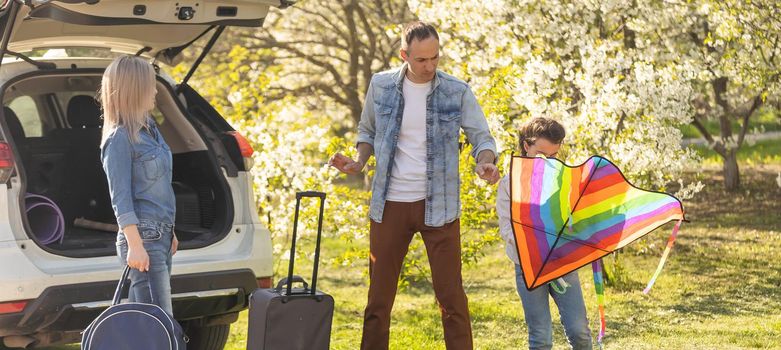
x=6, y=162
x=244, y=145
x=265, y=282
x=13, y=306
x=245, y=148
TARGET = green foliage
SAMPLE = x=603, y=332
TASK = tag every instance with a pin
x=766, y=120
x=756, y=153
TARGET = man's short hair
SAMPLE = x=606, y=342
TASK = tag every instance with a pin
x=417, y=30
x=540, y=127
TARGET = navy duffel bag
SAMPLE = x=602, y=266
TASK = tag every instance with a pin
x=133, y=326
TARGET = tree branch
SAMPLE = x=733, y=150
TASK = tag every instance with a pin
x=620, y=125
x=755, y=104
x=717, y=147
x=270, y=42
x=719, y=89
x=306, y=91
x=324, y=65
x=351, y=93
x=372, y=49
x=325, y=19
x=294, y=57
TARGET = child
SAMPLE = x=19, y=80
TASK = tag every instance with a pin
x=138, y=165
x=542, y=137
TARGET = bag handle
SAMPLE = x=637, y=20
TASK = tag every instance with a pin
x=296, y=279
x=299, y=196
x=121, y=285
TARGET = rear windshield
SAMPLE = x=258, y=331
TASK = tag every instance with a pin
x=58, y=52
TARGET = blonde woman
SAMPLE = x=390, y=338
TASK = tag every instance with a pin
x=138, y=164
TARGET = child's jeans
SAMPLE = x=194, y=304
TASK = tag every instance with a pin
x=157, y=238
x=537, y=312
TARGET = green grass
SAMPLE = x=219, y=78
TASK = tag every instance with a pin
x=719, y=289
x=766, y=120
x=761, y=153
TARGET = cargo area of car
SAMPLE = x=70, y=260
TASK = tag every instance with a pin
x=55, y=124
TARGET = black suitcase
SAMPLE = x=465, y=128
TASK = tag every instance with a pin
x=287, y=318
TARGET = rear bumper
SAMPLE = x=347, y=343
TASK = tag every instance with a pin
x=69, y=308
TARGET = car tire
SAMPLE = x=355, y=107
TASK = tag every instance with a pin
x=211, y=337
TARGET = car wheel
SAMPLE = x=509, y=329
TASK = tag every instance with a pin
x=211, y=337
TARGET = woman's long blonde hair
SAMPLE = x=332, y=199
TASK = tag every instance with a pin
x=127, y=86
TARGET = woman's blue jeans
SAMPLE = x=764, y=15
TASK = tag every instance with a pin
x=154, y=286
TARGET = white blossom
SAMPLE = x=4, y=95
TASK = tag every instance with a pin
x=551, y=59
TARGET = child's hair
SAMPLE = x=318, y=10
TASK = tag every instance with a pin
x=127, y=85
x=537, y=128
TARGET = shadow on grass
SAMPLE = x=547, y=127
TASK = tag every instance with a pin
x=755, y=206
x=724, y=275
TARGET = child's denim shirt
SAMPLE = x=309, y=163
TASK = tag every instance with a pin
x=139, y=176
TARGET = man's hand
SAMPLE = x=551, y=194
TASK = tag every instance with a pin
x=488, y=172
x=174, y=245
x=345, y=164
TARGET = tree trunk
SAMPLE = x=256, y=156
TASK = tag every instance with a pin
x=731, y=171
x=367, y=181
x=356, y=108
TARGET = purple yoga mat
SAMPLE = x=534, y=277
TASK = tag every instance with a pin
x=45, y=219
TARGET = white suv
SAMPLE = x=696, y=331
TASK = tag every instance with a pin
x=54, y=53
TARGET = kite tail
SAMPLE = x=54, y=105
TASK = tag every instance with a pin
x=664, y=256
x=596, y=266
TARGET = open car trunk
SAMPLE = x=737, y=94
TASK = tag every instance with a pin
x=54, y=121
x=50, y=118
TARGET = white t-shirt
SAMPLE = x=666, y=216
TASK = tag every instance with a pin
x=408, y=176
x=503, y=211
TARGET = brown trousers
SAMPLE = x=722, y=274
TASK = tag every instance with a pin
x=389, y=242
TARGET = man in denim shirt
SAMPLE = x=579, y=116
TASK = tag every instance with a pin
x=411, y=121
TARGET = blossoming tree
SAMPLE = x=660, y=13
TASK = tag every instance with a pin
x=622, y=75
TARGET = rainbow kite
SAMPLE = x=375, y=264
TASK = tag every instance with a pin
x=567, y=217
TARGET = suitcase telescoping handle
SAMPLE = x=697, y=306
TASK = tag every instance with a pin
x=310, y=194
x=289, y=281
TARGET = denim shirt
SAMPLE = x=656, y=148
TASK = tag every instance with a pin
x=450, y=107
x=139, y=176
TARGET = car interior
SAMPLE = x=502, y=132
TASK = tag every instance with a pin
x=55, y=123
